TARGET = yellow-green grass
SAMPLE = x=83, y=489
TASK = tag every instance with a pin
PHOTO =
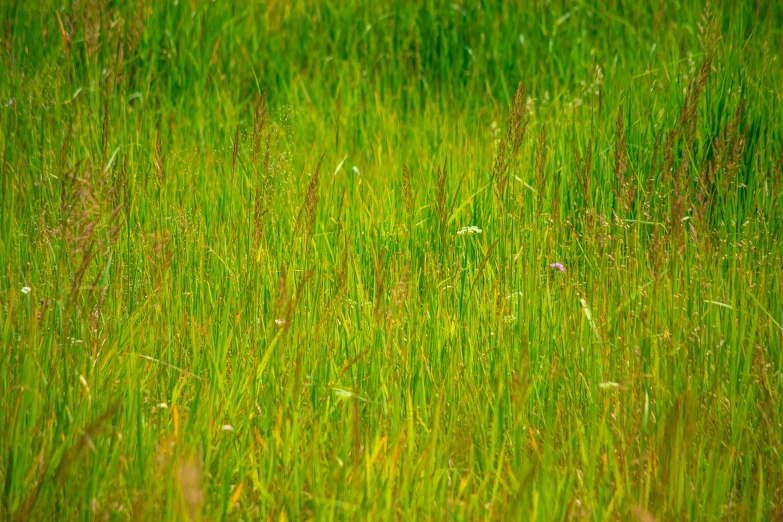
x=238, y=280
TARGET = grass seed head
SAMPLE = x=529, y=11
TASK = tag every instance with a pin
x=160, y=160
x=189, y=477
x=508, y=149
x=407, y=191
x=259, y=123
x=311, y=200
x=540, y=172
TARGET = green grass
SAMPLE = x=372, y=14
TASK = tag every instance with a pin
x=213, y=331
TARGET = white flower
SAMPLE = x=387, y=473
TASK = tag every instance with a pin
x=26, y=289
x=227, y=427
x=279, y=322
x=469, y=230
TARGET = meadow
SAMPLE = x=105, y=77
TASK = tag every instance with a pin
x=391, y=260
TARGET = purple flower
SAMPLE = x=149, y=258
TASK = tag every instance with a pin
x=557, y=266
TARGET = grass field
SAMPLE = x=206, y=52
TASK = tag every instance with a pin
x=297, y=260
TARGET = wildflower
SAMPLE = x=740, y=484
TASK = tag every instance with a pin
x=557, y=266
x=469, y=230
x=280, y=322
x=26, y=290
x=227, y=427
